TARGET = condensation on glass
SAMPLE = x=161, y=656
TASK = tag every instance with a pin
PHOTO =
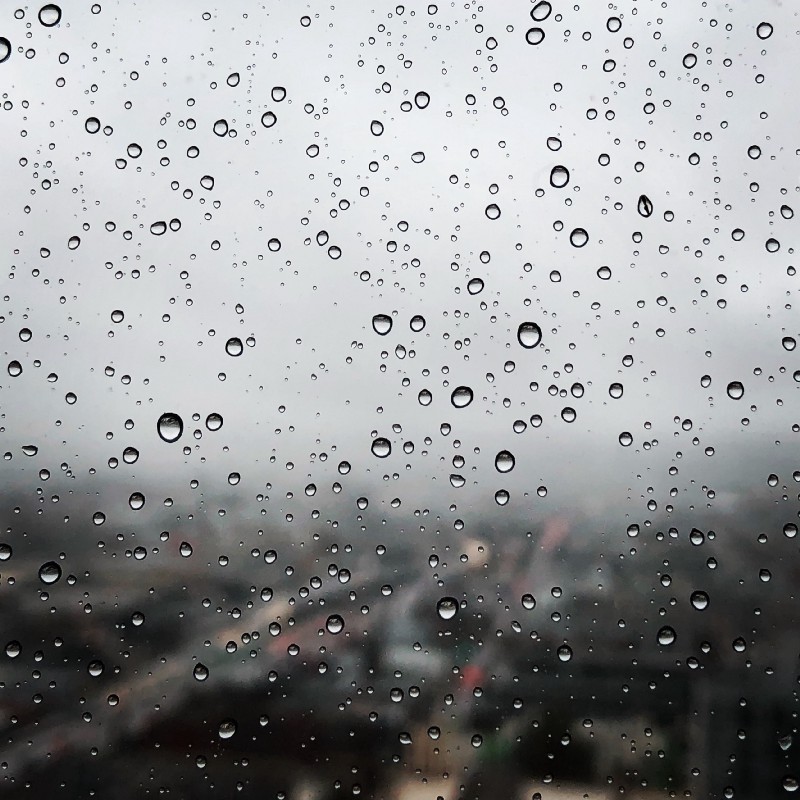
x=399, y=401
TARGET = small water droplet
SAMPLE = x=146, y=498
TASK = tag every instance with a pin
x=376, y=127
x=13, y=649
x=200, y=673
x=14, y=369
x=493, y=211
x=136, y=501
x=564, y=653
x=417, y=323
x=268, y=119
x=528, y=601
x=227, y=728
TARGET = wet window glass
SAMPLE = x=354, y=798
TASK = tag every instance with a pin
x=399, y=401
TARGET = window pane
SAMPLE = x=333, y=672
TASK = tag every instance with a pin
x=399, y=401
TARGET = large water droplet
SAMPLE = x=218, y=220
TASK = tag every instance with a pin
x=564, y=653
x=534, y=36
x=214, y=421
x=735, y=390
x=381, y=324
x=579, y=237
x=504, y=461
x=447, y=608
x=644, y=206
x=170, y=427
x=461, y=396
x=666, y=636
x=764, y=30
x=541, y=11
x=528, y=601
x=699, y=600
x=49, y=572
x=529, y=334
x=200, y=672
x=268, y=119
x=559, y=176
x=14, y=369
x=381, y=447
x=234, y=346
x=376, y=127
x=49, y=15
x=334, y=624
x=5, y=49
x=227, y=728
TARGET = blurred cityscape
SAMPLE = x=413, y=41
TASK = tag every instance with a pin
x=205, y=656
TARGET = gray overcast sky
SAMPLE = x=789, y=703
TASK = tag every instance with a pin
x=310, y=313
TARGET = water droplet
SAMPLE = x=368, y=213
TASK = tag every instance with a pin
x=493, y=211
x=136, y=501
x=376, y=127
x=501, y=497
x=689, y=60
x=334, y=624
x=14, y=369
x=30, y=449
x=564, y=653
x=461, y=396
x=644, y=206
x=221, y=127
x=626, y=439
x=227, y=728
x=185, y=549
x=615, y=390
x=5, y=49
x=579, y=237
x=735, y=390
x=130, y=455
x=789, y=343
x=417, y=323
x=421, y=99
x=74, y=242
x=699, y=600
x=504, y=461
x=268, y=119
x=200, y=673
x=207, y=182
x=559, y=176
x=764, y=30
x=475, y=286
x=534, y=36
x=232, y=79
x=457, y=481
x=234, y=346
x=528, y=602
x=13, y=649
x=529, y=334
x=425, y=398
x=214, y=421
x=568, y=414
x=158, y=228
x=49, y=15
x=381, y=447
x=541, y=11
x=49, y=572
x=170, y=427
x=447, y=608
x=666, y=636
x=381, y=324
x=95, y=668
